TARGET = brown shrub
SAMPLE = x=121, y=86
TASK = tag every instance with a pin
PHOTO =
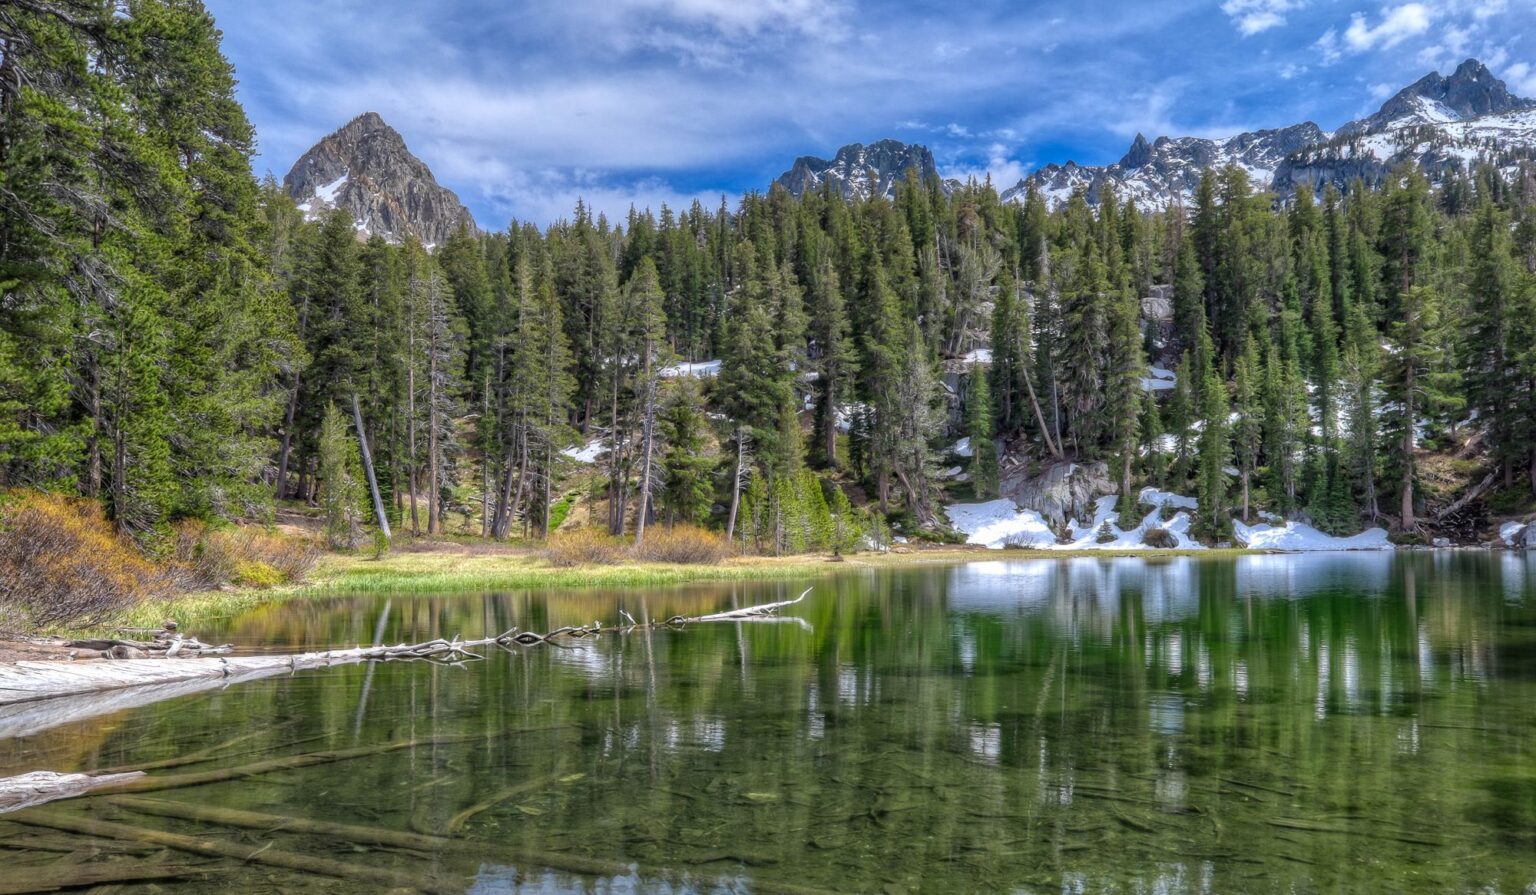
x=206, y=557
x=583, y=546
x=1161, y=538
x=686, y=544
x=63, y=564
x=291, y=557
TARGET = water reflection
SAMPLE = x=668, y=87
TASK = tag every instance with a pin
x=1253, y=724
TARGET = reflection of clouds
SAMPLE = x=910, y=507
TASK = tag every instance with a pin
x=1088, y=592
x=1515, y=568
x=987, y=741
x=1289, y=575
x=1166, y=714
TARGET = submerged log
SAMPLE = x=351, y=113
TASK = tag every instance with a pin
x=254, y=820
x=73, y=823
x=568, y=863
x=142, y=783
x=18, y=880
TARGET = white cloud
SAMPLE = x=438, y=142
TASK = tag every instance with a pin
x=545, y=196
x=1291, y=70
x=1398, y=23
x=1004, y=170
x=738, y=18
x=1255, y=16
x=1521, y=78
x=1328, y=45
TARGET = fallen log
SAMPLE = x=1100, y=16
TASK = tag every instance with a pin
x=766, y=610
x=1476, y=492
x=71, y=823
x=40, y=787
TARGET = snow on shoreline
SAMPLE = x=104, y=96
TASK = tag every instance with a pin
x=1298, y=537
x=999, y=523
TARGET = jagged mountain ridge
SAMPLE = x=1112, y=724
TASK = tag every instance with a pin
x=1441, y=122
x=861, y=171
x=365, y=169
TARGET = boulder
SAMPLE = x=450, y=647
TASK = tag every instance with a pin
x=1060, y=492
x=1157, y=304
x=1525, y=538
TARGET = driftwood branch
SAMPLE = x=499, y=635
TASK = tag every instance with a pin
x=1476, y=492
x=39, y=787
x=195, y=666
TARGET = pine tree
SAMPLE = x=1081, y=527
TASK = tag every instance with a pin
x=687, y=494
x=1214, y=448
x=1249, y=431
x=980, y=428
x=1415, y=383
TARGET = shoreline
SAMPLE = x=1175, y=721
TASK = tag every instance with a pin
x=437, y=567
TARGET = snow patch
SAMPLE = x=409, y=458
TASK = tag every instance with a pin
x=587, y=453
x=962, y=448
x=1302, y=538
x=704, y=369
x=327, y=192
x=999, y=523
x=1507, y=532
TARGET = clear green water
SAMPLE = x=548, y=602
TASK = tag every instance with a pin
x=1329, y=723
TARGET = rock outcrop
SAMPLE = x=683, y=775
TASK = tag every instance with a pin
x=1060, y=492
x=366, y=170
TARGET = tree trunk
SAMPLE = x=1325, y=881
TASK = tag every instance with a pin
x=831, y=418
x=1050, y=444
x=373, y=483
x=1408, y=423
x=648, y=435
x=434, y=510
x=741, y=457
x=287, y=441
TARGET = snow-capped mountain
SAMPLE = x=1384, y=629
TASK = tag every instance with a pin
x=860, y=171
x=1441, y=122
x=1154, y=174
x=1470, y=92
x=366, y=169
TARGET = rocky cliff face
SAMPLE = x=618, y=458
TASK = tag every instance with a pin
x=859, y=171
x=365, y=169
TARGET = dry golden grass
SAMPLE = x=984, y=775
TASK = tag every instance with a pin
x=62, y=563
x=683, y=544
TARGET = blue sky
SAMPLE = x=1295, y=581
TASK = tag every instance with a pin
x=521, y=107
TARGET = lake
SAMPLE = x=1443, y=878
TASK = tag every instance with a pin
x=1306, y=723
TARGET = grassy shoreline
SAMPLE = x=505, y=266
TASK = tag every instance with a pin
x=451, y=567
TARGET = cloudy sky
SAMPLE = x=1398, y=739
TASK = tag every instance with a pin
x=521, y=107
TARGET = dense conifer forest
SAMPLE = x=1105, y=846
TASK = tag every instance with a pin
x=177, y=341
